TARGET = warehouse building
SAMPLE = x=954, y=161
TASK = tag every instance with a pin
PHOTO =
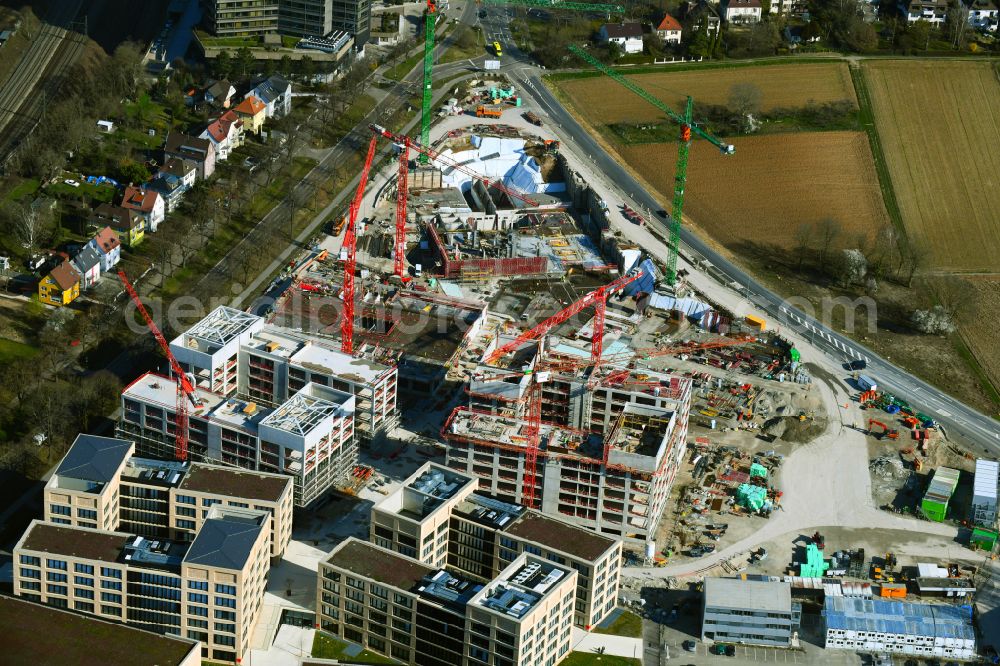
x=523, y=616
x=85, y=640
x=210, y=590
x=984, y=493
x=920, y=630
x=437, y=518
x=942, y=487
x=749, y=612
x=101, y=484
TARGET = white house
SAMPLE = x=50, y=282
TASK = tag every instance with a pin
x=983, y=15
x=88, y=262
x=669, y=30
x=109, y=245
x=932, y=11
x=148, y=203
x=276, y=93
x=741, y=11
x=225, y=133
x=628, y=36
x=179, y=169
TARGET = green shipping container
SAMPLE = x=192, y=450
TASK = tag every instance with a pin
x=983, y=538
x=934, y=510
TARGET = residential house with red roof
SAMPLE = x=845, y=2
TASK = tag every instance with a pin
x=148, y=203
x=109, y=245
x=225, y=133
x=252, y=112
x=61, y=286
x=669, y=30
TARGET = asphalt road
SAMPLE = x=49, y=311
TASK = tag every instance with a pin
x=956, y=417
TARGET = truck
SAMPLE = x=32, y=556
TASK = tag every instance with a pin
x=532, y=118
x=483, y=111
x=866, y=383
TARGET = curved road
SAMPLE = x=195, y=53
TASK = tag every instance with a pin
x=957, y=417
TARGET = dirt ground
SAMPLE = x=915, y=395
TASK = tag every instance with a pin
x=936, y=122
x=780, y=85
x=735, y=200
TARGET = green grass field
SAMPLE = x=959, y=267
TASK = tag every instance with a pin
x=327, y=647
x=591, y=659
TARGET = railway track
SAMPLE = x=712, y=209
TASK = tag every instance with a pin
x=37, y=77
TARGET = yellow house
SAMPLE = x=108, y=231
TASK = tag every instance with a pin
x=61, y=286
x=252, y=112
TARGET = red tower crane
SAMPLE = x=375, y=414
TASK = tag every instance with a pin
x=350, y=264
x=598, y=298
x=402, y=190
x=458, y=166
x=185, y=391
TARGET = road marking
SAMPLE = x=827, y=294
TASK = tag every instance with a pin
x=944, y=412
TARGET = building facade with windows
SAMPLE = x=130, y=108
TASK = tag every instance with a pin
x=210, y=590
x=397, y=606
x=101, y=484
x=749, y=612
x=438, y=518
x=240, y=18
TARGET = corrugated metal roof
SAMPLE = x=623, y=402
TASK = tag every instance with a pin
x=878, y=616
x=747, y=594
x=987, y=473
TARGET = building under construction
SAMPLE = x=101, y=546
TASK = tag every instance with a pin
x=267, y=399
x=611, y=439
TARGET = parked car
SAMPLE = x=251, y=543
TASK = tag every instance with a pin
x=71, y=182
x=697, y=551
x=689, y=645
x=730, y=650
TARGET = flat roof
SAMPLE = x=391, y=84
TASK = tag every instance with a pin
x=987, y=478
x=166, y=473
x=560, y=535
x=155, y=389
x=237, y=483
x=80, y=542
x=81, y=640
x=748, y=594
x=521, y=586
x=155, y=553
x=446, y=588
x=226, y=538
x=899, y=617
x=488, y=511
x=93, y=458
x=381, y=565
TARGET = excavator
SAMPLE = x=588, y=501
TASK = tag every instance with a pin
x=888, y=432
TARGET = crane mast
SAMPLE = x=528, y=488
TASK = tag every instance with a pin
x=185, y=391
x=688, y=129
x=350, y=263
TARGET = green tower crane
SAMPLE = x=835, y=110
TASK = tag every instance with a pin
x=688, y=128
x=430, y=24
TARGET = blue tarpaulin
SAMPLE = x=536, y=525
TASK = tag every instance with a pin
x=644, y=284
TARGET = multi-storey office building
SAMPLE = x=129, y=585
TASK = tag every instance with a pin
x=310, y=437
x=233, y=353
x=240, y=18
x=210, y=589
x=84, y=640
x=749, y=611
x=421, y=615
x=100, y=484
x=439, y=519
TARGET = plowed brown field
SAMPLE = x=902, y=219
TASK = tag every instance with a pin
x=602, y=101
x=772, y=185
x=939, y=124
x=980, y=330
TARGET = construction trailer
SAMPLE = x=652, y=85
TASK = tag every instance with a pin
x=935, y=502
x=899, y=627
x=984, y=494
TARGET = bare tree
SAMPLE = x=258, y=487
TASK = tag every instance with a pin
x=26, y=225
x=916, y=258
x=828, y=230
x=803, y=239
x=956, y=295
